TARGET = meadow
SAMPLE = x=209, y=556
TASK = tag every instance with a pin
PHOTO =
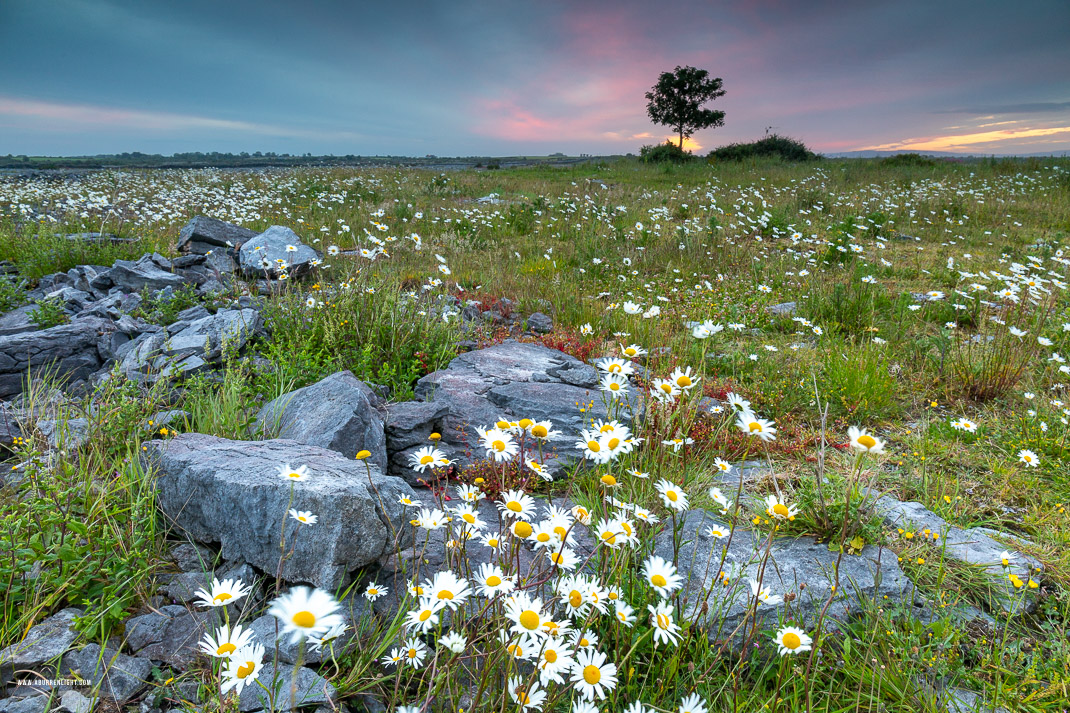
x=861, y=326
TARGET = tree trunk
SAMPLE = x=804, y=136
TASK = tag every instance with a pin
x=681, y=138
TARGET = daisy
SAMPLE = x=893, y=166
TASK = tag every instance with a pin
x=516, y=503
x=863, y=442
x=305, y=612
x=585, y=639
x=737, y=402
x=718, y=497
x=763, y=595
x=692, y=704
x=498, y=443
x=661, y=575
x=374, y=591
x=625, y=614
x=664, y=390
x=543, y=430
x=555, y=659
x=318, y=642
x=593, y=675
x=414, y=652
x=243, y=668
x=613, y=365
x=718, y=531
x=539, y=469
x=454, y=642
x=666, y=630
x=303, y=516
x=226, y=642
x=722, y=465
x=683, y=379
x=491, y=580
x=750, y=424
x=447, y=588
x=564, y=558
x=222, y=593
x=615, y=385
x=524, y=695
x=430, y=519
x=632, y=351
x=593, y=447
x=493, y=540
x=428, y=457
x=295, y=474
x=526, y=614
x=1028, y=457
x=673, y=496
x=775, y=508
x=792, y=640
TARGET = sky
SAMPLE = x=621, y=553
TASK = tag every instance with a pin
x=500, y=77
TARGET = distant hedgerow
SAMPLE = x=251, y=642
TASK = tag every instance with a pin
x=773, y=145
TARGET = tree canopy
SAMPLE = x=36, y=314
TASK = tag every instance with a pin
x=677, y=99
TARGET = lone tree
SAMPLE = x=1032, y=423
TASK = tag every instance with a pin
x=677, y=99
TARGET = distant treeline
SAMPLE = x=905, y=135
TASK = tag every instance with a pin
x=197, y=159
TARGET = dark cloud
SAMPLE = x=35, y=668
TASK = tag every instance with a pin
x=1004, y=109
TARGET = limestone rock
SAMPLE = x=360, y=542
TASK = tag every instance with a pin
x=203, y=234
x=68, y=349
x=267, y=254
x=119, y=676
x=231, y=492
x=42, y=647
x=334, y=413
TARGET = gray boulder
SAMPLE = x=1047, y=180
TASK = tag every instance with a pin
x=42, y=647
x=204, y=234
x=18, y=320
x=972, y=546
x=137, y=276
x=70, y=433
x=518, y=380
x=28, y=704
x=70, y=350
x=797, y=566
x=540, y=323
x=170, y=635
x=267, y=254
x=784, y=309
x=10, y=425
x=231, y=492
x=120, y=677
x=335, y=413
x=306, y=688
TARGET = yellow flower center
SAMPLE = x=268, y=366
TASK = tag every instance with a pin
x=427, y=459
x=781, y=509
x=592, y=674
x=412, y=653
x=525, y=423
x=593, y=446
x=613, y=443
x=584, y=642
x=557, y=558
x=609, y=537
x=867, y=441
x=522, y=529
x=493, y=580
x=539, y=431
x=627, y=528
x=247, y=669
x=498, y=445
x=514, y=505
x=792, y=640
x=469, y=518
x=222, y=597
x=304, y=619
x=502, y=425
x=560, y=531
x=609, y=479
x=530, y=620
x=614, y=386
x=373, y=591
x=663, y=621
x=425, y=615
x=667, y=388
x=445, y=594
x=614, y=368
x=683, y=382
x=671, y=495
x=543, y=537
x=755, y=427
x=658, y=581
x=521, y=696
x=630, y=352
x=227, y=648
x=575, y=598
x=493, y=541
x=550, y=656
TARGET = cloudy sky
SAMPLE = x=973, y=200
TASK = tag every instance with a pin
x=502, y=77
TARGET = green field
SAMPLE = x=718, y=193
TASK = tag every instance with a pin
x=930, y=307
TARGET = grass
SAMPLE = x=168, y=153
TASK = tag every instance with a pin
x=895, y=268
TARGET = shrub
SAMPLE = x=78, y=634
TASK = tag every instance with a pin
x=663, y=153
x=773, y=145
x=908, y=159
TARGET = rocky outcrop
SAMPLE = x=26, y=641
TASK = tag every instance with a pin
x=800, y=569
x=518, y=380
x=68, y=350
x=208, y=235
x=275, y=251
x=231, y=492
x=336, y=413
x=42, y=647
